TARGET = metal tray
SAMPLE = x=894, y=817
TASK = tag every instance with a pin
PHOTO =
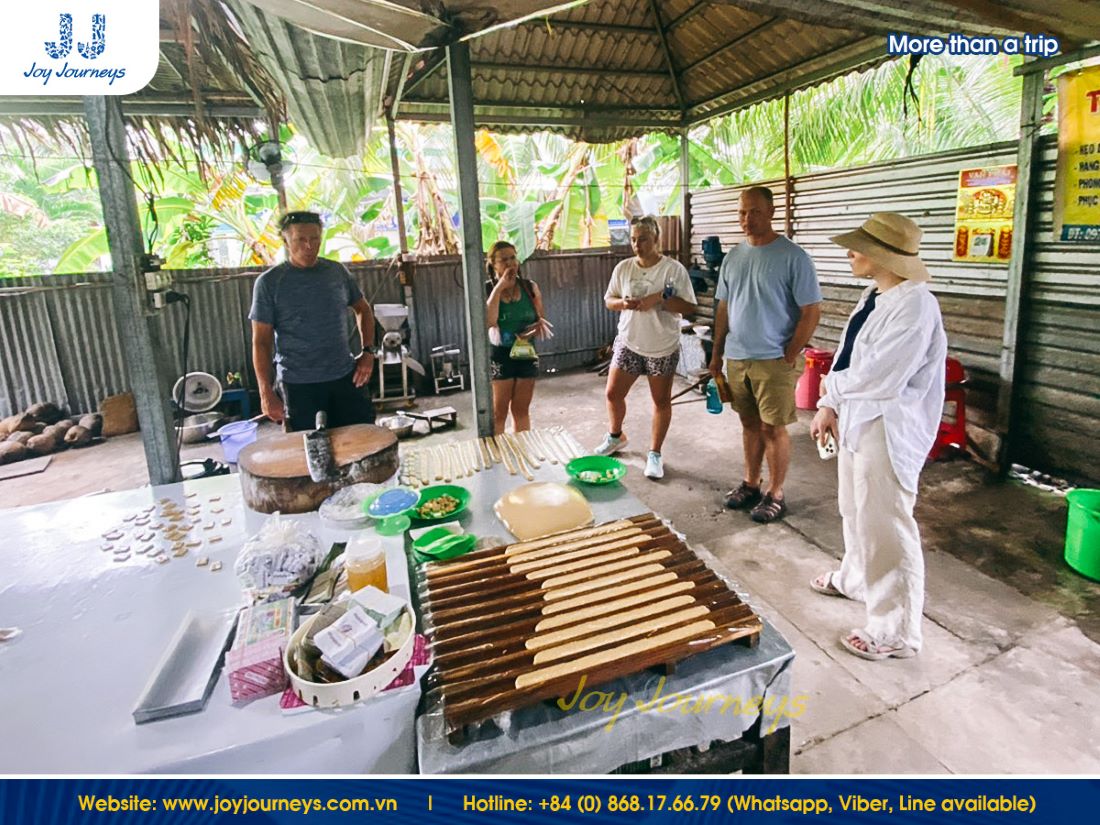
x=183, y=679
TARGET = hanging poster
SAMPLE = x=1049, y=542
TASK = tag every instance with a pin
x=1077, y=180
x=983, y=214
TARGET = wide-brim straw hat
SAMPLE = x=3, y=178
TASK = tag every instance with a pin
x=891, y=240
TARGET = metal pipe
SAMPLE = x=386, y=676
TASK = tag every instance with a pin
x=460, y=81
x=685, y=198
x=788, y=184
x=1027, y=179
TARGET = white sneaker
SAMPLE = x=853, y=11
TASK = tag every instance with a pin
x=610, y=445
x=654, y=467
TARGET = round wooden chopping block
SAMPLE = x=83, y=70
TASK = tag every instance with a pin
x=274, y=474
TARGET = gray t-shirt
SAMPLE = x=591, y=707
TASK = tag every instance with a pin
x=765, y=287
x=309, y=310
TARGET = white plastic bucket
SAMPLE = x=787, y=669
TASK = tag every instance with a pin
x=235, y=437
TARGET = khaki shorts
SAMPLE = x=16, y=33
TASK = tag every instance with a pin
x=764, y=389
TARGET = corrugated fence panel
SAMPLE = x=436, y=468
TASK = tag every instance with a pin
x=61, y=342
x=572, y=287
x=29, y=370
x=1058, y=402
x=825, y=204
x=439, y=310
x=88, y=343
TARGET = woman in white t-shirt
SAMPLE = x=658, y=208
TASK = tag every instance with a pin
x=652, y=292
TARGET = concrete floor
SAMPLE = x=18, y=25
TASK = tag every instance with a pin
x=1011, y=665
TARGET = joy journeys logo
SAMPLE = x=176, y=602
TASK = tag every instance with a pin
x=80, y=47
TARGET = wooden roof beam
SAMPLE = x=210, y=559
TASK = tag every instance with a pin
x=869, y=17
x=422, y=71
x=687, y=15
x=571, y=108
x=791, y=78
x=668, y=56
x=536, y=119
x=593, y=70
x=581, y=25
x=737, y=41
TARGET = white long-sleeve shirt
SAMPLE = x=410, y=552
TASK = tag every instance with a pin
x=897, y=372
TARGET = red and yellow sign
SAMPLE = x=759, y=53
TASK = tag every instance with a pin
x=1077, y=181
x=983, y=214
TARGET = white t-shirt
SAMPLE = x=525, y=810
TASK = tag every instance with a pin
x=654, y=333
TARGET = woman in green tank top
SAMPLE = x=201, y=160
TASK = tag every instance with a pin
x=514, y=317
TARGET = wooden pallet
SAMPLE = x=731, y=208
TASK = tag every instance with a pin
x=519, y=624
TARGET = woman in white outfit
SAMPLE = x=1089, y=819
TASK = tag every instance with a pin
x=653, y=293
x=882, y=403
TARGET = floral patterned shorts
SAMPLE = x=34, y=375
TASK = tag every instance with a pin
x=635, y=364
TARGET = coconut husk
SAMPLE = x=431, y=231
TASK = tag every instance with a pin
x=20, y=422
x=12, y=451
x=78, y=436
x=45, y=411
x=57, y=433
x=42, y=444
x=93, y=422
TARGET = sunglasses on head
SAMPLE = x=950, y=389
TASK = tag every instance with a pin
x=291, y=218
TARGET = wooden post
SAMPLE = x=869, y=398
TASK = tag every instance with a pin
x=398, y=199
x=1027, y=177
x=462, y=120
x=146, y=359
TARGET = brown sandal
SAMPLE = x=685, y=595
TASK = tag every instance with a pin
x=769, y=510
x=744, y=496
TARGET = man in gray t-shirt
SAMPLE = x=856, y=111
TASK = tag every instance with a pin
x=299, y=323
x=769, y=304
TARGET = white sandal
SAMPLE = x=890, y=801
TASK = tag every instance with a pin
x=828, y=588
x=875, y=652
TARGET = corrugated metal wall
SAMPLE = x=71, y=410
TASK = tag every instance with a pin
x=60, y=343
x=1058, y=386
x=572, y=286
x=1059, y=404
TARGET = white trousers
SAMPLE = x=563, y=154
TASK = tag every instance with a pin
x=883, y=562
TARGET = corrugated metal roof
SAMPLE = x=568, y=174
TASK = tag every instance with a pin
x=602, y=63
x=333, y=88
x=596, y=71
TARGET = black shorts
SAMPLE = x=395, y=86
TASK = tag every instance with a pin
x=504, y=367
x=344, y=403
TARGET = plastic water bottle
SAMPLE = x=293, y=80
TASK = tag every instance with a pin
x=714, y=403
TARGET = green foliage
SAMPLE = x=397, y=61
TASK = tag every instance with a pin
x=535, y=188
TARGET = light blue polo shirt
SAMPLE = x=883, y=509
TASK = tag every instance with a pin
x=765, y=288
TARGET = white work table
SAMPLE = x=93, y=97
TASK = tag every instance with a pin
x=94, y=629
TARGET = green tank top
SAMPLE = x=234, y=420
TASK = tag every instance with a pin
x=517, y=316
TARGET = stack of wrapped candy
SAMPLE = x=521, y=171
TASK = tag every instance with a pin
x=255, y=662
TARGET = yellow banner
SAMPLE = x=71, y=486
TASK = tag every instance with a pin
x=1077, y=183
x=983, y=214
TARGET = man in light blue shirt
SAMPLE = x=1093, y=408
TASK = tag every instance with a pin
x=769, y=304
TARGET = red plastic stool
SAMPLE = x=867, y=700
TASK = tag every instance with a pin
x=952, y=432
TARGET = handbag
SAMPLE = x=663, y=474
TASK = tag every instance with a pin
x=523, y=350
